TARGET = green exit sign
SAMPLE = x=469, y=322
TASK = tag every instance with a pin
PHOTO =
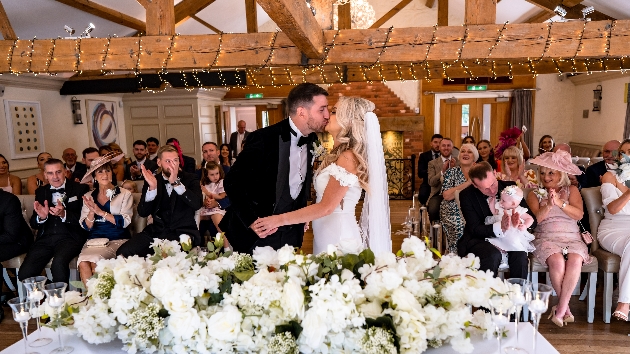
x=253, y=95
x=477, y=87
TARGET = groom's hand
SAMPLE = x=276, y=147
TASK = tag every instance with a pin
x=264, y=227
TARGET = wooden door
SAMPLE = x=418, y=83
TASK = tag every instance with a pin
x=483, y=118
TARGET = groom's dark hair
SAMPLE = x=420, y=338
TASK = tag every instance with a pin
x=302, y=96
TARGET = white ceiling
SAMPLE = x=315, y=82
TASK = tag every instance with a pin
x=46, y=18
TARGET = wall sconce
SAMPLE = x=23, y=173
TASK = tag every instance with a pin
x=76, y=110
x=597, y=98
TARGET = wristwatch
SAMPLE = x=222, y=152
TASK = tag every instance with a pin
x=564, y=204
x=176, y=183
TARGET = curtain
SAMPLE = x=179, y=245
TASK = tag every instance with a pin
x=626, y=126
x=522, y=113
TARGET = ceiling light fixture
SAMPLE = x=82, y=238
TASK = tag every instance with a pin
x=87, y=30
x=587, y=11
x=560, y=11
x=69, y=29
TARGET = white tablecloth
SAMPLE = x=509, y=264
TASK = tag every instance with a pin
x=481, y=346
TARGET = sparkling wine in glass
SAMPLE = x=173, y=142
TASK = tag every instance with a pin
x=21, y=314
x=501, y=305
x=55, y=298
x=520, y=292
x=35, y=293
x=538, y=305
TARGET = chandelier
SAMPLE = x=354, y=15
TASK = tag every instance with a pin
x=362, y=14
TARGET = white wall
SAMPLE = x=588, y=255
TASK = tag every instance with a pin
x=553, y=110
x=607, y=124
x=406, y=91
x=248, y=114
x=59, y=130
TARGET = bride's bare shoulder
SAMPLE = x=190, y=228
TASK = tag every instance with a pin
x=348, y=161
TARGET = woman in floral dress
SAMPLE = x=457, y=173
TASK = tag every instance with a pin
x=456, y=179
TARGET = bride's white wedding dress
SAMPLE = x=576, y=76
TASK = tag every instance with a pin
x=339, y=228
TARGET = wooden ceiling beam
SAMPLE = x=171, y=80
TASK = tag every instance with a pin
x=344, y=17
x=391, y=13
x=430, y=3
x=187, y=8
x=571, y=3
x=542, y=15
x=574, y=12
x=298, y=23
x=161, y=18
x=442, y=13
x=480, y=12
x=106, y=13
x=206, y=24
x=5, y=25
x=518, y=42
x=251, y=16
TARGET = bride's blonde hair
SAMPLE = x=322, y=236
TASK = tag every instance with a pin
x=350, y=117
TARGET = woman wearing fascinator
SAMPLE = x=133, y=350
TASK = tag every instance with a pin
x=557, y=206
x=613, y=233
x=355, y=163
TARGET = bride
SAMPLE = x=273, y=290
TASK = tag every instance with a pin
x=355, y=163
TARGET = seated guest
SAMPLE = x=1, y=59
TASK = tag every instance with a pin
x=211, y=153
x=513, y=167
x=437, y=169
x=171, y=197
x=186, y=163
x=614, y=231
x=104, y=150
x=468, y=140
x=60, y=237
x=74, y=170
x=212, y=188
x=580, y=180
x=152, y=148
x=595, y=171
x=8, y=182
x=106, y=214
x=456, y=179
x=119, y=168
x=226, y=155
x=131, y=186
x=477, y=202
x=512, y=137
x=15, y=235
x=423, y=167
x=37, y=180
x=545, y=144
x=486, y=153
x=89, y=155
x=558, y=241
x=132, y=170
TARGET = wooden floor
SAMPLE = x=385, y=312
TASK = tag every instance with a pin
x=579, y=337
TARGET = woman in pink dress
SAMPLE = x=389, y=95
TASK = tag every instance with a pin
x=558, y=207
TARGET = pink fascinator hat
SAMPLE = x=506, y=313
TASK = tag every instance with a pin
x=507, y=138
x=559, y=161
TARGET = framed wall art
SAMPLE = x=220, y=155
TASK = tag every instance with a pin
x=24, y=128
x=102, y=122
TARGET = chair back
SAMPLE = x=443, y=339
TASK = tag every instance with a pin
x=593, y=200
x=27, y=201
x=138, y=223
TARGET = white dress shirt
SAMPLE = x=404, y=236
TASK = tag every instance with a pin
x=55, y=199
x=239, y=142
x=297, y=162
x=151, y=194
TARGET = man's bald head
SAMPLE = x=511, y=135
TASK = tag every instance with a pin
x=241, y=125
x=609, y=149
x=563, y=147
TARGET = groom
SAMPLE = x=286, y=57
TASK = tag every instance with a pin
x=273, y=173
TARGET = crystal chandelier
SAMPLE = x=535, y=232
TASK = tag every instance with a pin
x=361, y=13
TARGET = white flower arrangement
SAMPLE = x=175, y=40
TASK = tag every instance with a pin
x=283, y=302
x=318, y=150
x=541, y=193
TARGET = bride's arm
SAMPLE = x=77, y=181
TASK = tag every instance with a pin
x=333, y=194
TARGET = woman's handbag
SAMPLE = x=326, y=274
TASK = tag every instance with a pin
x=586, y=236
x=97, y=242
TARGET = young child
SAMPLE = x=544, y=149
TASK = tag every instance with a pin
x=212, y=187
x=516, y=237
x=130, y=186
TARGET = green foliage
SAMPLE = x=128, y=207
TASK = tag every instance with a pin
x=292, y=327
x=387, y=323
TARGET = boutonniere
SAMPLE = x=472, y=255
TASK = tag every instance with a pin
x=541, y=193
x=64, y=199
x=318, y=149
x=112, y=193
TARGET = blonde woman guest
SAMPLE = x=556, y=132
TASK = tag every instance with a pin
x=557, y=207
x=513, y=169
x=613, y=233
x=8, y=182
x=456, y=179
x=37, y=180
x=106, y=214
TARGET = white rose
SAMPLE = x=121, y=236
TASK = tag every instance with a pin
x=299, y=259
x=74, y=298
x=371, y=309
x=178, y=302
x=183, y=238
x=293, y=299
x=184, y=324
x=225, y=325
x=346, y=275
x=286, y=254
x=331, y=250
x=265, y=256
x=162, y=282
x=404, y=300
x=413, y=245
x=461, y=344
x=315, y=330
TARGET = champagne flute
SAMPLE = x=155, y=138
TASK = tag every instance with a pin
x=55, y=297
x=35, y=293
x=500, y=304
x=520, y=294
x=538, y=305
x=21, y=315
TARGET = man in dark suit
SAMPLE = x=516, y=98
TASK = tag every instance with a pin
x=273, y=174
x=210, y=152
x=238, y=137
x=436, y=170
x=595, y=171
x=56, y=217
x=133, y=171
x=152, y=148
x=423, y=167
x=171, y=197
x=475, y=206
x=189, y=164
x=74, y=170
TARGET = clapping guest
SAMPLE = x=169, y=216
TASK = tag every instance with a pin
x=613, y=233
x=436, y=170
x=513, y=167
x=39, y=179
x=74, y=169
x=106, y=214
x=132, y=170
x=456, y=179
x=423, y=167
x=486, y=153
x=8, y=182
x=557, y=207
x=545, y=144
x=226, y=155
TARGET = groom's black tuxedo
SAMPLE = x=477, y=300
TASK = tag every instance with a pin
x=475, y=209
x=258, y=186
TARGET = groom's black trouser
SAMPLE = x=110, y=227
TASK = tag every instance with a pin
x=286, y=235
x=490, y=257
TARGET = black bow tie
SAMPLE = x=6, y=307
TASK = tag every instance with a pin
x=303, y=139
x=58, y=190
x=436, y=155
